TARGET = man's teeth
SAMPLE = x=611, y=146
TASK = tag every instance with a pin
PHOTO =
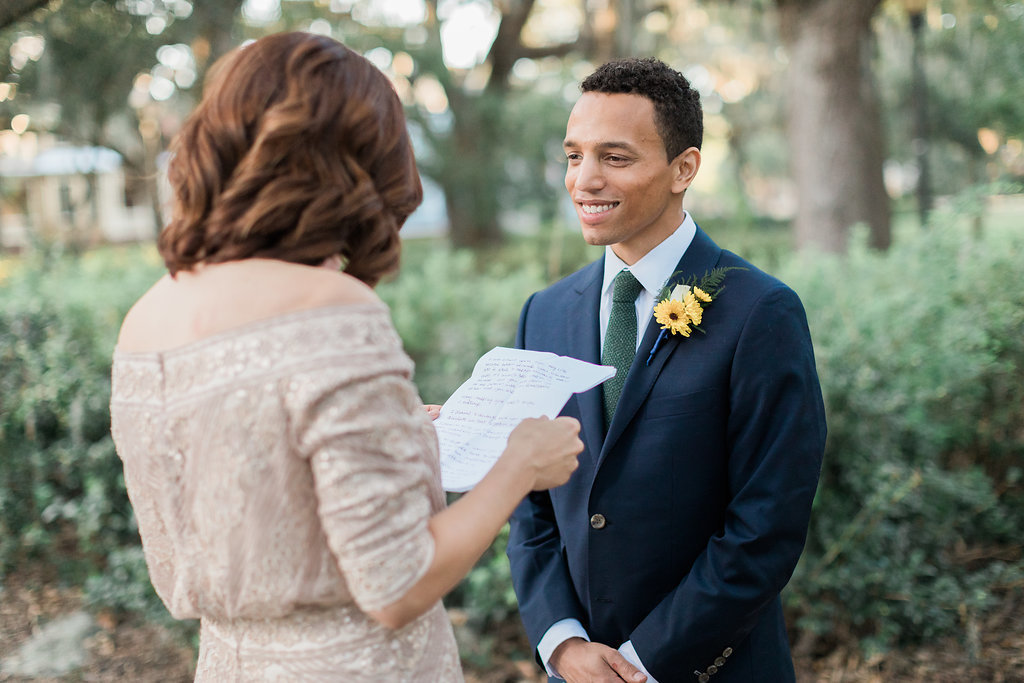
x=598, y=208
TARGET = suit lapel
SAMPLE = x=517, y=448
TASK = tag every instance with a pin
x=701, y=256
x=585, y=344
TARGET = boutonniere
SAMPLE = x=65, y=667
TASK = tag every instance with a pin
x=680, y=308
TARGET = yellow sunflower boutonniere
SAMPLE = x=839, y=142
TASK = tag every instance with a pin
x=684, y=307
x=681, y=306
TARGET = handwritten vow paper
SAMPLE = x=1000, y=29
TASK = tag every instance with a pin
x=507, y=385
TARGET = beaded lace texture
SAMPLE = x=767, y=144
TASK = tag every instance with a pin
x=282, y=475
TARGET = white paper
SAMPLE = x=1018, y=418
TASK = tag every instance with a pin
x=507, y=386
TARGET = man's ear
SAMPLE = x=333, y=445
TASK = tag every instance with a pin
x=685, y=166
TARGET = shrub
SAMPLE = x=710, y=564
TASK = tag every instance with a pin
x=915, y=531
x=62, y=497
x=61, y=491
x=920, y=351
x=449, y=311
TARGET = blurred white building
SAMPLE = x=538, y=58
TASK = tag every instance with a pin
x=76, y=196
x=68, y=195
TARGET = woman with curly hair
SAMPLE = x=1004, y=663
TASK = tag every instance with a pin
x=282, y=468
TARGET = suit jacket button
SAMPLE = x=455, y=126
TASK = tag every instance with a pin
x=719, y=661
x=598, y=521
x=727, y=652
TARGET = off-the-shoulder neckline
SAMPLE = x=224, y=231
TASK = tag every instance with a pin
x=252, y=327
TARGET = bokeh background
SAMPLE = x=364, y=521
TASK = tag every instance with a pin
x=869, y=153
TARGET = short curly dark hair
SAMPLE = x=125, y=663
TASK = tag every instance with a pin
x=677, y=112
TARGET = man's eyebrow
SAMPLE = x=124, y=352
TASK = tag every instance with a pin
x=603, y=146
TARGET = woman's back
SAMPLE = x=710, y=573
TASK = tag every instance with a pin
x=282, y=471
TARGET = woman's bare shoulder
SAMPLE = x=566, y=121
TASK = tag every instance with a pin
x=332, y=287
x=144, y=313
x=213, y=299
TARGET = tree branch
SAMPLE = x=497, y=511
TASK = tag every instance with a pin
x=560, y=50
x=508, y=46
x=14, y=10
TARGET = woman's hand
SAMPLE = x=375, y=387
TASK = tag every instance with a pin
x=547, y=448
x=541, y=453
x=433, y=410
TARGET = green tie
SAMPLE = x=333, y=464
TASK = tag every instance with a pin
x=620, y=338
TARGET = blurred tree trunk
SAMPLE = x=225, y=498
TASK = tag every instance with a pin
x=612, y=31
x=834, y=122
x=472, y=175
x=14, y=10
x=919, y=104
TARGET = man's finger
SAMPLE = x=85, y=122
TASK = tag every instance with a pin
x=624, y=669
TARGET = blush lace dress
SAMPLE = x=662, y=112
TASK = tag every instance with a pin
x=283, y=475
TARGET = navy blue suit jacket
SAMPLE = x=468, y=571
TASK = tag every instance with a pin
x=705, y=480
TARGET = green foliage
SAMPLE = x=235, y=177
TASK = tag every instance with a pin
x=487, y=593
x=94, y=50
x=972, y=70
x=975, y=65
x=450, y=309
x=60, y=481
x=61, y=489
x=125, y=587
x=710, y=282
x=915, y=532
x=920, y=351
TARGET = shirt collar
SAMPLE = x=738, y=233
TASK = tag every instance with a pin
x=656, y=266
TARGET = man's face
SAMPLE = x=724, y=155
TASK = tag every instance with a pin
x=627, y=194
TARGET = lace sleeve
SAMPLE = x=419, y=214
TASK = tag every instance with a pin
x=362, y=428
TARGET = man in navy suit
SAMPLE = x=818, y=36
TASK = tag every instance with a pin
x=665, y=553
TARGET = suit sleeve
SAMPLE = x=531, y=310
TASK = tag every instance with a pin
x=775, y=437
x=539, y=571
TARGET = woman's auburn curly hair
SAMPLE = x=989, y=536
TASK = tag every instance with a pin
x=297, y=152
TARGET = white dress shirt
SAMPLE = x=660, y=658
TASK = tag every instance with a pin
x=652, y=271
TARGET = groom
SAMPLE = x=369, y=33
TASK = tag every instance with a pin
x=665, y=553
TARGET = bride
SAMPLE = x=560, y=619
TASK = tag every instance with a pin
x=281, y=466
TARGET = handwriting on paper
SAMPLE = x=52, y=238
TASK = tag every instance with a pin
x=507, y=386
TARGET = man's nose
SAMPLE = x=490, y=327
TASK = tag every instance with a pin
x=589, y=175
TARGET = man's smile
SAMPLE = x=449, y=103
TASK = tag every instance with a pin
x=594, y=209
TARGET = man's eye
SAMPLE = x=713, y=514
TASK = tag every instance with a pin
x=573, y=157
